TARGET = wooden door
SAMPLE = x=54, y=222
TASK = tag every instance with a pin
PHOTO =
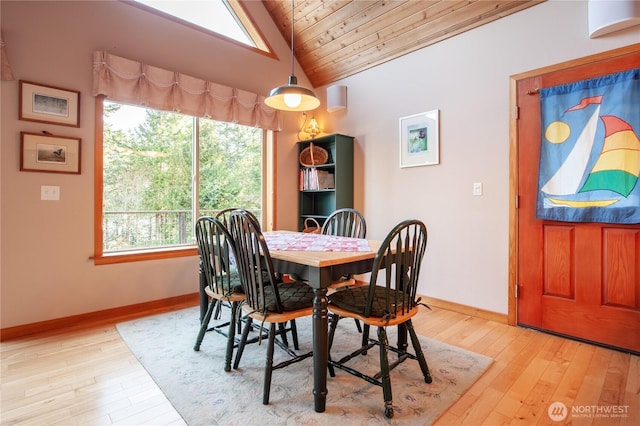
x=575, y=279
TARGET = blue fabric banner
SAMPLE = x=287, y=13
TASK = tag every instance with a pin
x=590, y=151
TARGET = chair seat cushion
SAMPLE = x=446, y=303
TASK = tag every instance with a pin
x=355, y=300
x=294, y=296
x=228, y=284
x=235, y=283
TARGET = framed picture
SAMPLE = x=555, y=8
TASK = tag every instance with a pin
x=48, y=104
x=419, y=139
x=49, y=153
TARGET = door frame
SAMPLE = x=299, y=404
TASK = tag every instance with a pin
x=512, y=315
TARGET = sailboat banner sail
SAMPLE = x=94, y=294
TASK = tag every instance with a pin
x=590, y=150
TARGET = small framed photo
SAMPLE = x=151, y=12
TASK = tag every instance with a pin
x=48, y=104
x=49, y=153
x=420, y=139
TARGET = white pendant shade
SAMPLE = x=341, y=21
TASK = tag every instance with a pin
x=292, y=97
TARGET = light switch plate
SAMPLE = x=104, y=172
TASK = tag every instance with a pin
x=477, y=188
x=50, y=193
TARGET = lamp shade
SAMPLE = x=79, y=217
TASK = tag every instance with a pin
x=313, y=128
x=292, y=97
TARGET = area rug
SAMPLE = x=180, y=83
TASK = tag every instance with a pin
x=204, y=394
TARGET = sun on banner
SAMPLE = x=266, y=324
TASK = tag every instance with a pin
x=590, y=150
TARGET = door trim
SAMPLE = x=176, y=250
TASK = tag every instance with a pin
x=513, y=158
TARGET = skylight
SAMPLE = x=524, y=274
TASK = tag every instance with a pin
x=218, y=16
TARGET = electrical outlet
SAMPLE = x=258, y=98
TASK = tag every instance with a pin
x=477, y=188
x=50, y=193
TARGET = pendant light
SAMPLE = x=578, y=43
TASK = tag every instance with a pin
x=292, y=97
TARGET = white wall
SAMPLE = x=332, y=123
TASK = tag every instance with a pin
x=467, y=79
x=46, y=272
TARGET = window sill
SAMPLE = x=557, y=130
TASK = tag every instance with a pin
x=142, y=255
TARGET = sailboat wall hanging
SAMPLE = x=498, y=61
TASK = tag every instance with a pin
x=590, y=150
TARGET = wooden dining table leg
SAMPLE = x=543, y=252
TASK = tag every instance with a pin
x=320, y=348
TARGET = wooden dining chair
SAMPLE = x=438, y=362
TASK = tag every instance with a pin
x=219, y=280
x=346, y=222
x=276, y=304
x=389, y=300
x=223, y=215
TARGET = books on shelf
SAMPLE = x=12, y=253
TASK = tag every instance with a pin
x=313, y=179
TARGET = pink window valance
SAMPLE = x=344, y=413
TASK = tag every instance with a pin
x=127, y=81
x=5, y=71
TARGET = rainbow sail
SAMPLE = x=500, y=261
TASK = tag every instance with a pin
x=618, y=166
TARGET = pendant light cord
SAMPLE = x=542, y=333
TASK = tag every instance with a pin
x=292, y=19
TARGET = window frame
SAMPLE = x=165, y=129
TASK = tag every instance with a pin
x=102, y=258
x=244, y=19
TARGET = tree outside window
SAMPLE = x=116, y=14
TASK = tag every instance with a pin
x=149, y=198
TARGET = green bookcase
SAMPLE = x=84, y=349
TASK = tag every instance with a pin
x=320, y=203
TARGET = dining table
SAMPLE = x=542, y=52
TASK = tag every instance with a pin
x=320, y=260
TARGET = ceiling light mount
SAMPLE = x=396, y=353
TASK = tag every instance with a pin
x=292, y=97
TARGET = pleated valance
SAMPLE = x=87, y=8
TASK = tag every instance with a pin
x=127, y=81
x=5, y=71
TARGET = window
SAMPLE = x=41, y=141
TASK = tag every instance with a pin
x=224, y=17
x=160, y=170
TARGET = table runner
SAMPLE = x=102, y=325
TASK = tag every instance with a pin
x=298, y=241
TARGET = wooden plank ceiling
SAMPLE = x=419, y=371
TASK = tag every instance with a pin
x=338, y=38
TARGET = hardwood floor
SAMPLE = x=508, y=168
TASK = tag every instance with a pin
x=87, y=376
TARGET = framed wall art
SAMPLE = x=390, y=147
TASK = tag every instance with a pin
x=49, y=153
x=48, y=104
x=420, y=139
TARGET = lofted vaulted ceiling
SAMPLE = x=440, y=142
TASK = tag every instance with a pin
x=338, y=38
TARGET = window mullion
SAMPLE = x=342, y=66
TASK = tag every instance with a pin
x=195, y=174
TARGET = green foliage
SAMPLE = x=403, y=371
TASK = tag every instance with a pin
x=230, y=166
x=149, y=167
